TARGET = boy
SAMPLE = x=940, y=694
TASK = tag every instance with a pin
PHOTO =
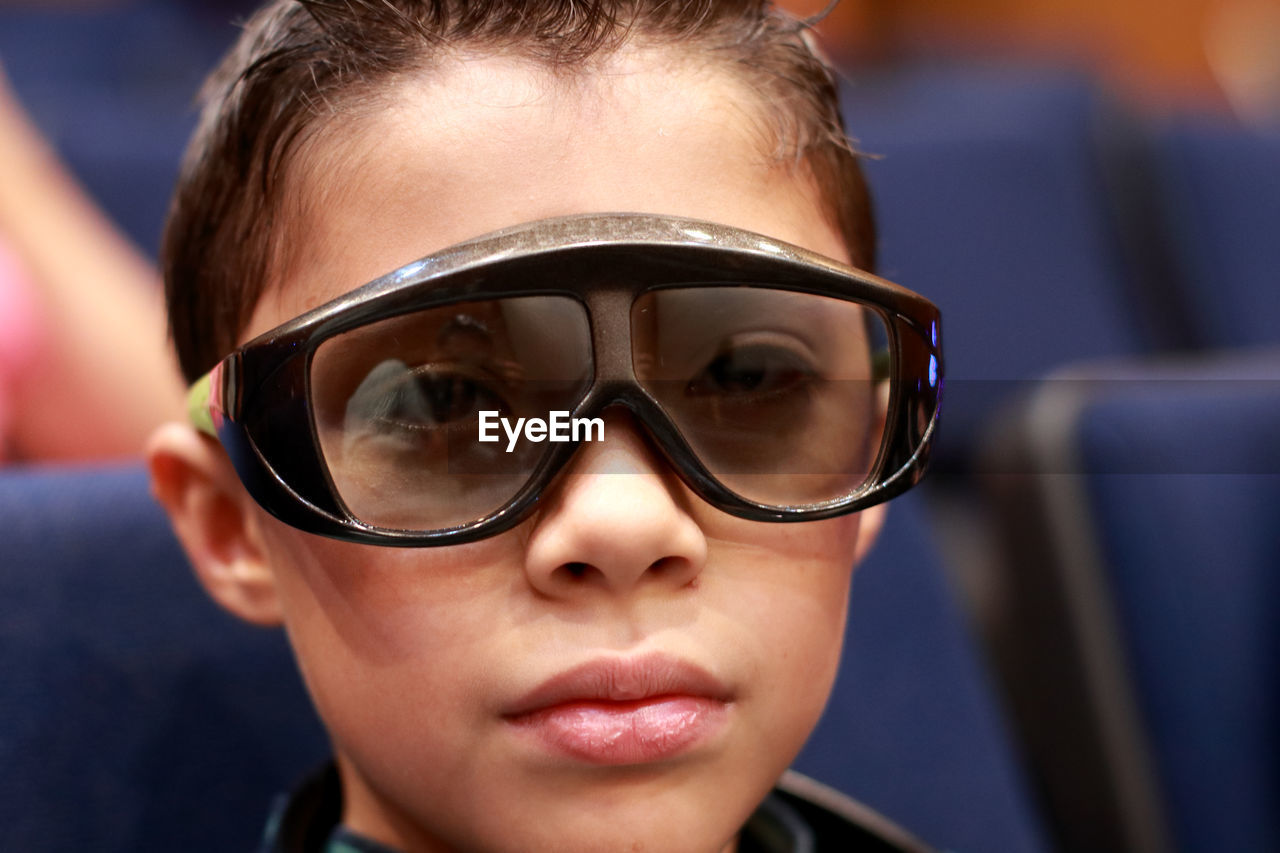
x=597, y=638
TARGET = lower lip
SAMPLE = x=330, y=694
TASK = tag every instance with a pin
x=638, y=732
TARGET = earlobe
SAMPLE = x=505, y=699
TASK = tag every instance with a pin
x=212, y=517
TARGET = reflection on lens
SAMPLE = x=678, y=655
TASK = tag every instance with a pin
x=397, y=405
x=782, y=395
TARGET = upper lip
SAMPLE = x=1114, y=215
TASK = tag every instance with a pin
x=621, y=680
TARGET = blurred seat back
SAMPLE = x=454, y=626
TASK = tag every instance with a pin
x=1141, y=645
x=991, y=201
x=913, y=728
x=1220, y=191
x=134, y=715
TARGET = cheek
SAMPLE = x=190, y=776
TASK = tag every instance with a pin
x=411, y=626
x=789, y=587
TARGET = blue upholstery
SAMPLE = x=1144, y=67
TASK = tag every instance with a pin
x=1184, y=489
x=135, y=716
x=912, y=728
x=1140, y=637
x=990, y=202
x=1221, y=193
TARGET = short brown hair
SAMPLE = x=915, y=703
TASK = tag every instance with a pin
x=300, y=63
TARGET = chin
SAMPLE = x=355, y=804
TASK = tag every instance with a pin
x=610, y=833
x=640, y=809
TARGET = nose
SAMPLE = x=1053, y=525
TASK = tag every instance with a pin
x=617, y=520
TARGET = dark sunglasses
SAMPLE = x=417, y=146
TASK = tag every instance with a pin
x=436, y=405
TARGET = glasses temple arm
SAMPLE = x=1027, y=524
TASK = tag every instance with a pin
x=199, y=412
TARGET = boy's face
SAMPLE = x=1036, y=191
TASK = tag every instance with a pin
x=629, y=666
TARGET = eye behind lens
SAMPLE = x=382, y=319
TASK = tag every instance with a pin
x=754, y=370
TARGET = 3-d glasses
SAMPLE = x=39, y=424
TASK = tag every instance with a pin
x=438, y=403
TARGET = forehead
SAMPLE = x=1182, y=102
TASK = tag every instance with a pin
x=483, y=143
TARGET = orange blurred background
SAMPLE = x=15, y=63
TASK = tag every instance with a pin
x=1165, y=55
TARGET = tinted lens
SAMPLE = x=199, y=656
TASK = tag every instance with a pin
x=782, y=395
x=398, y=405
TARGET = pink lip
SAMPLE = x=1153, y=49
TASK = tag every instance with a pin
x=623, y=711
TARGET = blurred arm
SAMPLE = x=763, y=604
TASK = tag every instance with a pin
x=104, y=377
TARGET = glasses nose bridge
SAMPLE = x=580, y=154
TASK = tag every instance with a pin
x=609, y=308
x=615, y=383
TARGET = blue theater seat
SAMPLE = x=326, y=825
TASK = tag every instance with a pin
x=1220, y=189
x=135, y=716
x=991, y=202
x=912, y=728
x=1148, y=678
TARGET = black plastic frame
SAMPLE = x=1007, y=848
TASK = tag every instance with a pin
x=259, y=393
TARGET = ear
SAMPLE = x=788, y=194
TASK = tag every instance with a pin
x=215, y=521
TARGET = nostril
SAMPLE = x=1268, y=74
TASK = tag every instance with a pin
x=673, y=568
x=662, y=566
x=670, y=567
